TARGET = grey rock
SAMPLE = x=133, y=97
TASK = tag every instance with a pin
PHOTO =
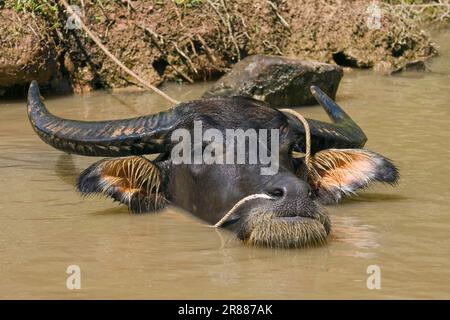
x=279, y=81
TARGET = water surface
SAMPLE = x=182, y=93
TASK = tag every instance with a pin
x=45, y=226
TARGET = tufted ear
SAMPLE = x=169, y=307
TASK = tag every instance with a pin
x=134, y=181
x=341, y=172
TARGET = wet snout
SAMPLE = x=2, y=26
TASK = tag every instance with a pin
x=292, y=201
x=288, y=187
x=291, y=195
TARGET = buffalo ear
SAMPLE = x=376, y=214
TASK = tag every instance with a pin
x=133, y=181
x=336, y=173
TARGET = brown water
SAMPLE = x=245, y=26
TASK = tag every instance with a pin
x=45, y=226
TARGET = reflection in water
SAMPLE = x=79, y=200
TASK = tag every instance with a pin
x=47, y=226
x=349, y=230
x=65, y=169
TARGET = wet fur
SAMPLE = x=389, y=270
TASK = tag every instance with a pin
x=281, y=230
x=336, y=173
x=133, y=181
x=289, y=232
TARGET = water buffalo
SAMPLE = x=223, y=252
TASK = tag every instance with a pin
x=279, y=210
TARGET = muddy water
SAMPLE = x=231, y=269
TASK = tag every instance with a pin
x=45, y=226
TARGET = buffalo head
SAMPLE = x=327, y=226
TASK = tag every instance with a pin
x=282, y=209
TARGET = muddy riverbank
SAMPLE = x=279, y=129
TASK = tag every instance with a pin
x=195, y=40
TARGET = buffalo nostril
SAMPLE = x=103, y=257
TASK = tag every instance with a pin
x=276, y=192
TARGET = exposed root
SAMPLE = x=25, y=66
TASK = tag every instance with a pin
x=113, y=57
x=159, y=42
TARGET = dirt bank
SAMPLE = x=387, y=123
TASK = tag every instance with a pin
x=24, y=53
x=191, y=40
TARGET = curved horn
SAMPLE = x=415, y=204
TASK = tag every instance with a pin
x=343, y=132
x=135, y=136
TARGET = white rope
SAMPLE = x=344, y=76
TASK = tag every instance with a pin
x=238, y=204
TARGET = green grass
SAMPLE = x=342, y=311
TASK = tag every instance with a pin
x=183, y=3
x=44, y=8
x=188, y=3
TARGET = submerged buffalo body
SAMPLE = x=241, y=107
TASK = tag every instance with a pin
x=283, y=209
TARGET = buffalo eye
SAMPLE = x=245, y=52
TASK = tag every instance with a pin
x=276, y=192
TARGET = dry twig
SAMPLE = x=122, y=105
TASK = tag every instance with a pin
x=113, y=57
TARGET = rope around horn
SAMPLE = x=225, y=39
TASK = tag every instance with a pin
x=263, y=195
x=113, y=57
x=307, y=135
